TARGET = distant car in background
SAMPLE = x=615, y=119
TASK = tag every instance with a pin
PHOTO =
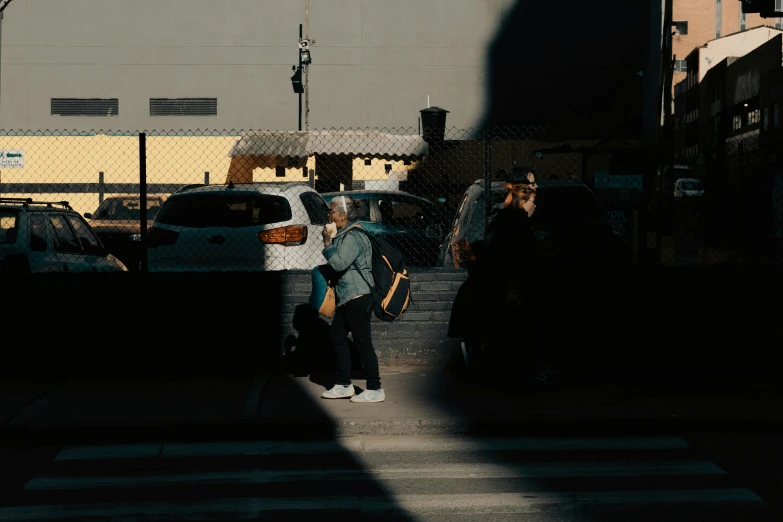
x=688, y=188
x=416, y=225
x=569, y=223
x=118, y=218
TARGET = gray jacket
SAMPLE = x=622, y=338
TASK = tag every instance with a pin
x=352, y=252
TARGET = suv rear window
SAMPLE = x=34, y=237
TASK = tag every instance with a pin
x=8, y=226
x=224, y=210
x=316, y=207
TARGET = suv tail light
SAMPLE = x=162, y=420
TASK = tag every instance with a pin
x=462, y=253
x=161, y=237
x=292, y=235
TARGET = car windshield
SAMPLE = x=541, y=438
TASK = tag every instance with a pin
x=224, y=210
x=8, y=226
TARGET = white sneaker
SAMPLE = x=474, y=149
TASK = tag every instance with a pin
x=370, y=396
x=339, y=391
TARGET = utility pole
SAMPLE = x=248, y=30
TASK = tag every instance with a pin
x=300, y=72
x=300, y=79
x=306, y=42
x=3, y=5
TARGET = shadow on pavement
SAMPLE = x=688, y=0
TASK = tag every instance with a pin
x=138, y=364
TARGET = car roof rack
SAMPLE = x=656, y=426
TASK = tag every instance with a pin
x=29, y=201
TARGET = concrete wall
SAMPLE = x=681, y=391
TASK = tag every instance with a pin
x=374, y=61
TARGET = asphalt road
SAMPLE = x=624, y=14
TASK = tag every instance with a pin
x=701, y=477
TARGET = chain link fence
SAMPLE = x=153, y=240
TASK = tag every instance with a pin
x=186, y=201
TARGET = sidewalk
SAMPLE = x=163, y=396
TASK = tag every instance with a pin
x=420, y=401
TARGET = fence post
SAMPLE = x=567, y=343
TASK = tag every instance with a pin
x=143, y=198
x=101, y=188
x=487, y=178
x=206, y=178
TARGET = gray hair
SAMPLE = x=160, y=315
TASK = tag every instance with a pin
x=349, y=206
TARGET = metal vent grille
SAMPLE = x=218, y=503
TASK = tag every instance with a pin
x=183, y=106
x=85, y=106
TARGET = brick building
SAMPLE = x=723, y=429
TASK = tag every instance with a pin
x=696, y=22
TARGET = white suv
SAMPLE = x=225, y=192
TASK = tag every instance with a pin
x=38, y=237
x=242, y=227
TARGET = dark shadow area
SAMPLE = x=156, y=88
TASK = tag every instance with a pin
x=309, y=353
x=141, y=325
x=578, y=73
x=124, y=340
x=702, y=328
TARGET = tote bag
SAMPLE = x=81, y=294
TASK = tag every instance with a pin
x=322, y=297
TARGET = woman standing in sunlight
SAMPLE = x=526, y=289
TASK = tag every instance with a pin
x=350, y=255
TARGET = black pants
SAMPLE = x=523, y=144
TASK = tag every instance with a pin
x=354, y=317
x=514, y=332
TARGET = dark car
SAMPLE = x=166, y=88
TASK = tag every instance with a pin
x=415, y=225
x=117, y=219
x=569, y=223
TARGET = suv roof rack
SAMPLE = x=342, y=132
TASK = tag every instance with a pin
x=29, y=201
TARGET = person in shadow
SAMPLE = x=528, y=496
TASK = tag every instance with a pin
x=483, y=316
x=513, y=260
x=467, y=312
x=310, y=352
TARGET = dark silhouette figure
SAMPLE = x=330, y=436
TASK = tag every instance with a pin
x=502, y=337
x=310, y=352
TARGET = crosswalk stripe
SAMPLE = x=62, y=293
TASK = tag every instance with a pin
x=248, y=508
x=371, y=445
x=445, y=471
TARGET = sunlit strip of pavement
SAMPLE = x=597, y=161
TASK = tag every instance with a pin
x=445, y=471
x=361, y=444
x=249, y=508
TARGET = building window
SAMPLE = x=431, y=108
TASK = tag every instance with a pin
x=680, y=66
x=743, y=18
x=85, y=106
x=765, y=119
x=680, y=28
x=778, y=8
x=736, y=122
x=753, y=116
x=718, y=18
x=183, y=106
x=280, y=171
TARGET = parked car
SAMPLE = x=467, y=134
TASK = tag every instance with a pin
x=414, y=224
x=40, y=236
x=569, y=223
x=688, y=188
x=118, y=218
x=242, y=227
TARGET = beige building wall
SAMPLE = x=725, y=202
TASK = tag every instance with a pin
x=736, y=45
x=64, y=159
x=375, y=62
